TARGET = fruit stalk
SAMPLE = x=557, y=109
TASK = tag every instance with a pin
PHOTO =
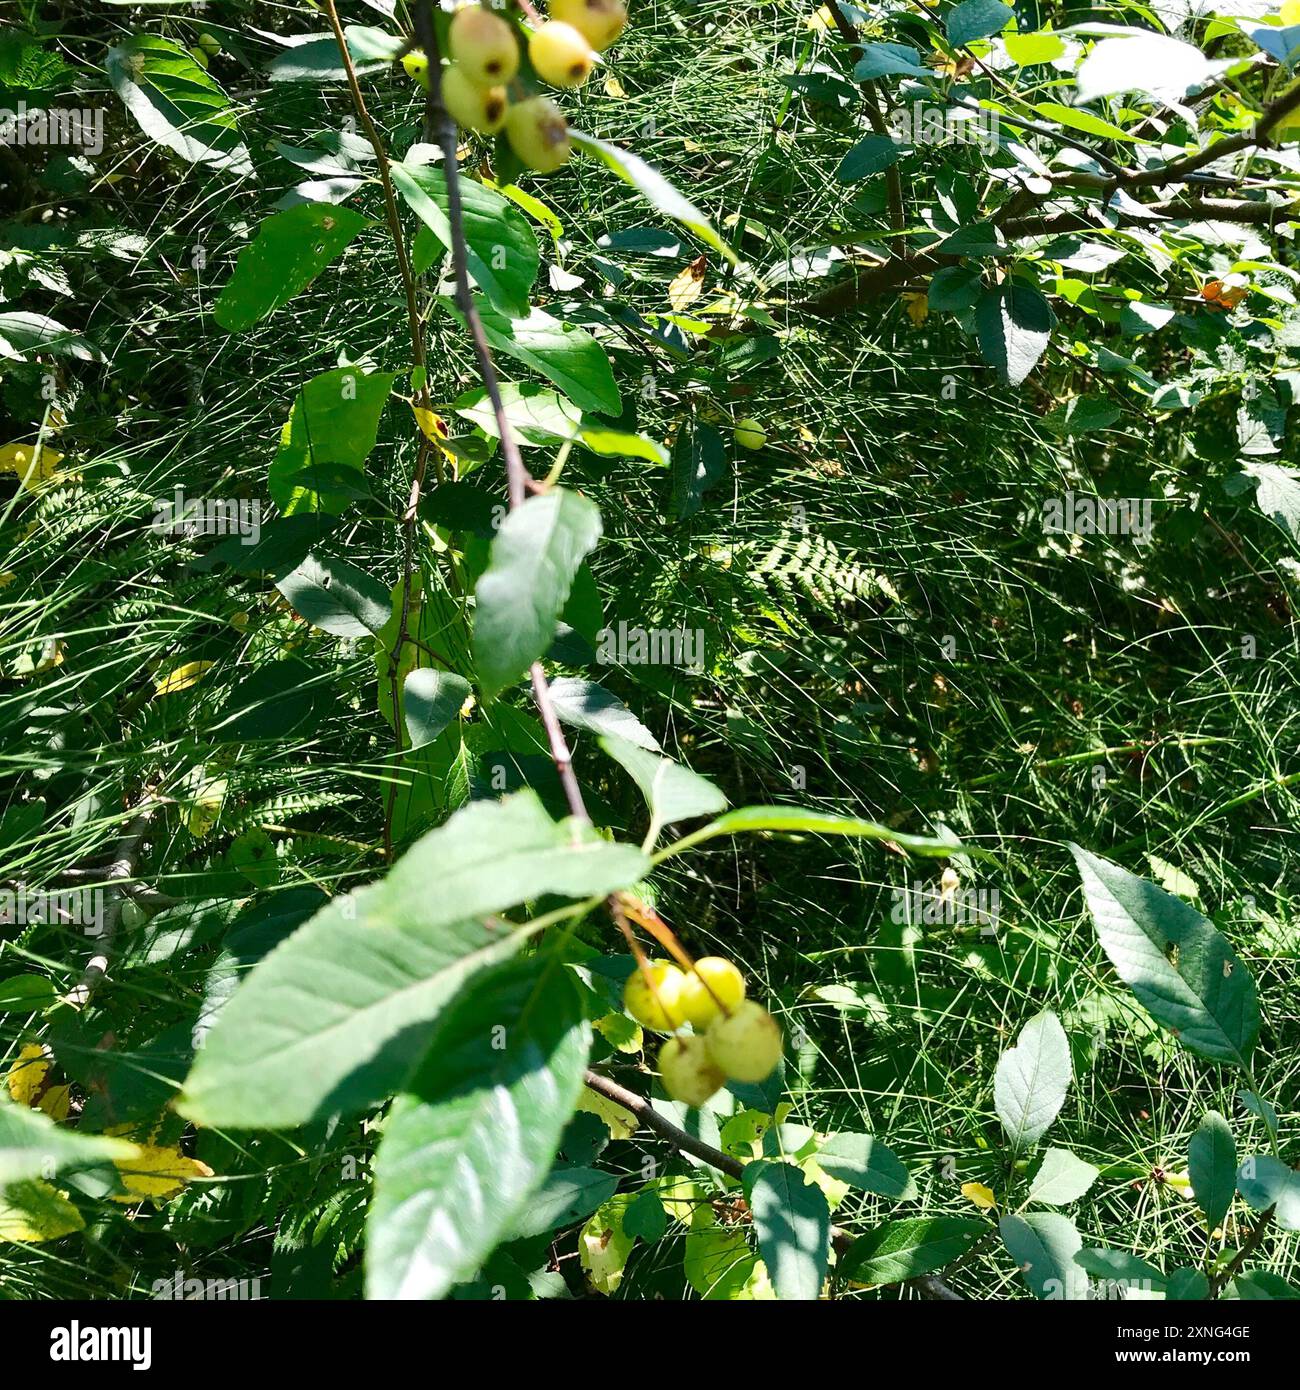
x=625, y=903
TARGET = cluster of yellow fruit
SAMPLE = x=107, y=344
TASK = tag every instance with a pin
x=485, y=57
x=734, y=1038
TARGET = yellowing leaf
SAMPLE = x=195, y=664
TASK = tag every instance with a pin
x=33, y=470
x=622, y=1123
x=433, y=427
x=28, y=1073
x=680, y=1196
x=977, y=1193
x=726, y=303
x=718, y=1261
x=182, y=677
x=834, y=1189
x=620, y=1032
x=613, y=87
x=688, y=284
x=43, y=658
x=158, y=1173
x=205, y=810
x=57, y=1101
x=918, y=307
x=34, y=1211
x=603, y=1246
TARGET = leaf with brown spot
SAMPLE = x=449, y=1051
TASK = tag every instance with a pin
x=688, y=284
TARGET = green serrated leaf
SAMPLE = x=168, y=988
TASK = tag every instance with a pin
x=1014, y=324
x=334, y=1019
x=799, y=820
x=176, y=103
x=977, y=19
x=330, y=432
x=1062, y=1177
x=336, y=597
x=1044, y=1245
x=898, y=1250
x=476, y=1128
x=568, y=1195
x=793, y=1224
x=873, y=154
x=1031, y=1080
x=654, y=188
x=431, y=699
x=672, y=792
x=290, y=250
x=1180, y=967
x=1212, y=1167
x=318, y=59
x=699, y=461
x=568, y=356
x=864, y=1162
x=1265, y=1181
x=535, y=556
x=645, y=1217
x=1119, y=1267
x=500, y=247
x=1187, y=1286
x=587, y=705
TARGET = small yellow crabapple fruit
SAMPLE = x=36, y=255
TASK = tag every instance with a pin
x=750, y=434
x=660, y=1009
x=417, y=67
x=484, y=45
x=538, y=134
x=600, y=22
x=745, y=1044
x=688, y=1072
x=727, y=986
x=560, y=55
x=476, y=108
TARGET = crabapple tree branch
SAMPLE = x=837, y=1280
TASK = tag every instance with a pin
x=660, y=1125
x=518, y=480
x=1109, y=179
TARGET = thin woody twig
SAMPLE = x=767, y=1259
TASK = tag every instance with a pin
x=1248, y=1248
x=409, y=514
x=119, y=870
x=518, y=480
x=664, y=1127
x=878, y=279
x=876, y=119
